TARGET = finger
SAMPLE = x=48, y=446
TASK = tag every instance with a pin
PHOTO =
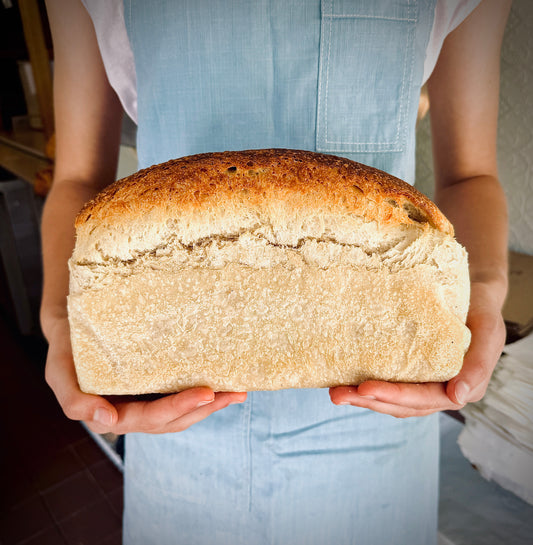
x=396, y=399
x=169, y=413
x=222, y=400
x=340, y=397
x=488, y=339
x=139, y=415
x=427, y=396
x=420, y=396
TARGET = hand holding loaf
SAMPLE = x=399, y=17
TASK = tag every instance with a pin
x=264, y=269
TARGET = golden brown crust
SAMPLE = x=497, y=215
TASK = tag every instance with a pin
x=263, y=176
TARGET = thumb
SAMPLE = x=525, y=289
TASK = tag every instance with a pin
x=60, y=374
x=78, y=405
x=488, y=338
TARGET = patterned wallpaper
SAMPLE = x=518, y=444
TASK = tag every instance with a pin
x=515, y=132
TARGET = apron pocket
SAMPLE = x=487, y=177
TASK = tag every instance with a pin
x=367, y=55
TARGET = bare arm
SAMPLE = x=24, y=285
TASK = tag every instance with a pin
x=467, y=186
x=88, y=120
x=464, y=142
x=464, y=93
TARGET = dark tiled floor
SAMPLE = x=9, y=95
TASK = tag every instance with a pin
x=57, y=487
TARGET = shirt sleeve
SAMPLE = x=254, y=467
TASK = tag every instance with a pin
x=449, y=14
x=115, y=48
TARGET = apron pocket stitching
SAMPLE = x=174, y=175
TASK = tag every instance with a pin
x=323, y=119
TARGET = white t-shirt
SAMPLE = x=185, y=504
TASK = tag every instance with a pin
x=117, y=55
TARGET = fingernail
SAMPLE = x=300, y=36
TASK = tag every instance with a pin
x=205, y=402
x=344, y=403
x=461, y=391
x=103, y=416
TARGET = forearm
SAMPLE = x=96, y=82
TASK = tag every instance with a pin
x=88, y=117
x=62, y=205
x=464, y=97
x=477, y=208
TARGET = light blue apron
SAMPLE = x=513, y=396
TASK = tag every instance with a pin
x=287, y=467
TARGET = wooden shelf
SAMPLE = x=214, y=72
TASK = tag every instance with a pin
x=21, y=163
x=28, y=140
x=32, y=24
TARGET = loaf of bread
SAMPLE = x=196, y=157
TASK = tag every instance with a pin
x=262, y=270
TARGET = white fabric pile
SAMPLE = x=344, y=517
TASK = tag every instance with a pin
x=498, y=433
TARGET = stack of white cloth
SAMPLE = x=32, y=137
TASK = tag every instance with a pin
x=498, y=434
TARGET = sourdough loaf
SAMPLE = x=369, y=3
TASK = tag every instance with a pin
x=262, y=270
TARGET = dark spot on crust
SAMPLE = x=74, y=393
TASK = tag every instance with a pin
x=414, y=213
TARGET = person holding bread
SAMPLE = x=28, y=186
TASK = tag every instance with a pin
x=320, y=94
